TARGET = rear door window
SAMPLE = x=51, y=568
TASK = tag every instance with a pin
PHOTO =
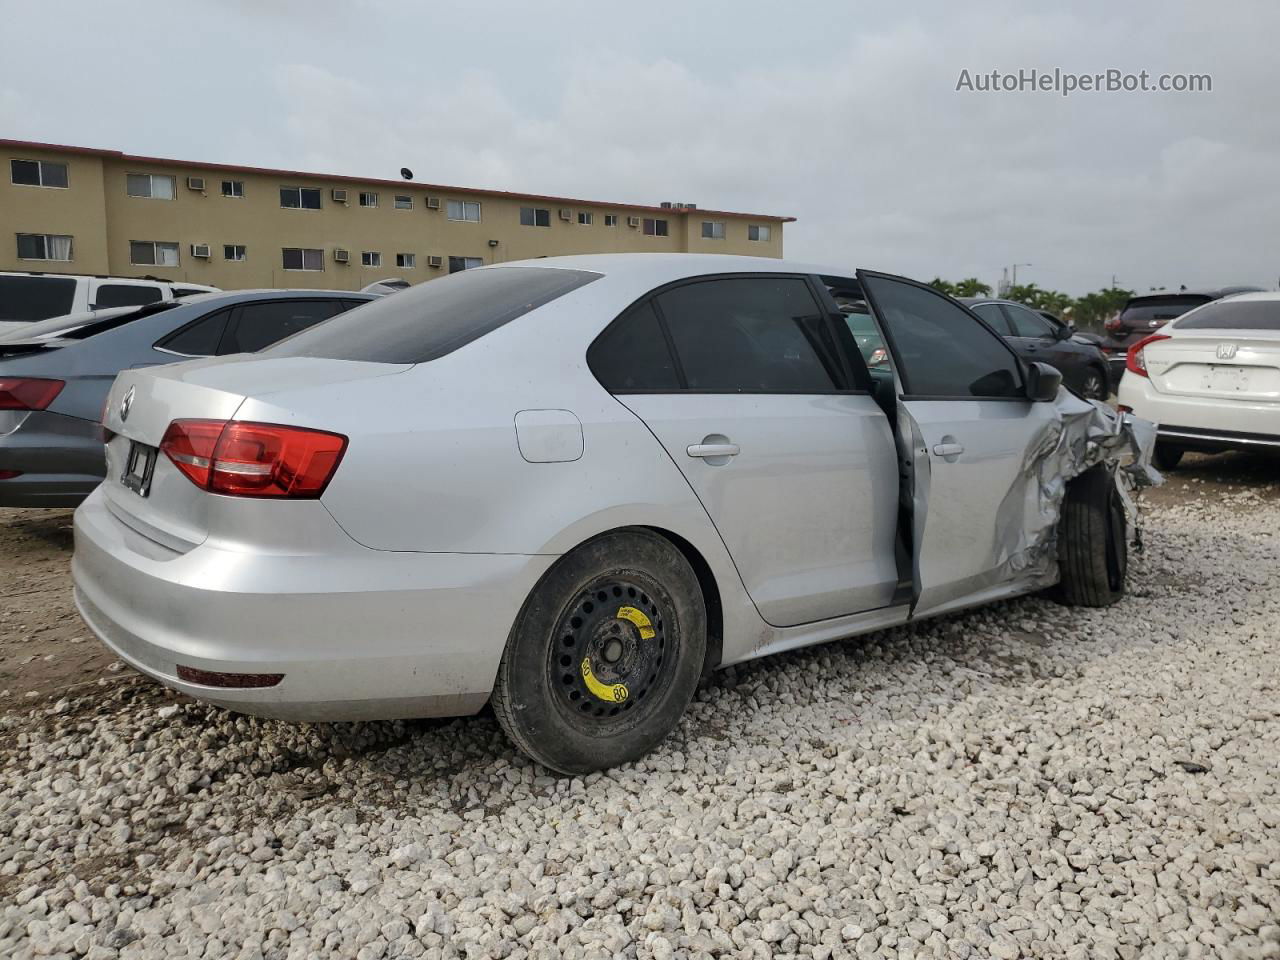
x=632, y=355
x=1234, y=315
x=259, y=325
x=432, y=319
x=199, y=339
x=751, y=335
x=941, y=351
x=35, y=298
x=125, y=295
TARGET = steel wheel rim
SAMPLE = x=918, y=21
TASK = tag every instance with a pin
x=611, y=656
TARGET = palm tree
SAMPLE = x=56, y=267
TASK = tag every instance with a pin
x=943, y=286
x=970, y=287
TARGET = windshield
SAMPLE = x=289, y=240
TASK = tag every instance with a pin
x=35, y=298
x=1234, y=315
x=433, y=318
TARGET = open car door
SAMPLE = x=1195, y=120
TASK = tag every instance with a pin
x=968, y=437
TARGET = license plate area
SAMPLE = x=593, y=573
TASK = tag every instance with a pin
x=139, y=466
x=1227, y=379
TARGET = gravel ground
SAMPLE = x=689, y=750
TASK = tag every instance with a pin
x=1020, y=781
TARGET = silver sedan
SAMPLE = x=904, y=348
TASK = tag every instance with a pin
x=570, y=487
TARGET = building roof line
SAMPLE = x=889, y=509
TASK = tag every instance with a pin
x=344, y=178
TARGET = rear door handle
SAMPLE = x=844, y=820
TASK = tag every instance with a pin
x=713, y=450
x=948, y=449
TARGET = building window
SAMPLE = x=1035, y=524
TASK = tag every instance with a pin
x=713, y=229
x=300, y=198
x=404, y=203
x=298, y=258
x=150, y=253
x=468, y=210
x=368, y=199
x=535, y=217
x=655, y=228
x=610, y=219
x=584, y=219
x=233, y=251
x=43, y=246
x=38, y=173
x=371, y=258
x=406, y=260
x=457, y=264
x=233, y=188
x=154, y=186
x=755, y=232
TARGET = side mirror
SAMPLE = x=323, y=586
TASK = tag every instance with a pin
x=1043, y=382
x=1063, y=332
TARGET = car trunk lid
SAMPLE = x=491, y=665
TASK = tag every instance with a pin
x=1218, y=364
x=143, y=488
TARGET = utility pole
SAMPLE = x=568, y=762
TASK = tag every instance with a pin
x=1015, y=271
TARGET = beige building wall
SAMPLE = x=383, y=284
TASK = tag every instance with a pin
x=98, y=212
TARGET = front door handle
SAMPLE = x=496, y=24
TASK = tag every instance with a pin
x=948, y=449
x=707, y=450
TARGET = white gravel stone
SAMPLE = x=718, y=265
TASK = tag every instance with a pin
x=1023, y=780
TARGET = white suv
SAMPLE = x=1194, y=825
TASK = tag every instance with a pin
x=27, y=297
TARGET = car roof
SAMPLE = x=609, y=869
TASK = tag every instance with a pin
x=1211, y=293
x=664, y=267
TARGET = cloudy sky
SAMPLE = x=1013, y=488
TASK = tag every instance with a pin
x=842, y=114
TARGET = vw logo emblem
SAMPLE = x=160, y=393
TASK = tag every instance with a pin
x=126, y=404
x=1226, y=351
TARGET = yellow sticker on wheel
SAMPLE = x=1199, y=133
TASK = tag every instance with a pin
x=640, y=619
x=609, y=693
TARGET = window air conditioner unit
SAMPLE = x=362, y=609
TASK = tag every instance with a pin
x=566, y=214
x=200, y=250
x=435, y=261
x=633, y=221
x=339, y=196
x=341, y=256
x=433, y=203
x=195, y=183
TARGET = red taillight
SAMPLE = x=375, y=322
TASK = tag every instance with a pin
x=1113, y=324
x=1135, y=360
x=878, y=356
x=9, y=474
x=253, y=459
x=21, y=393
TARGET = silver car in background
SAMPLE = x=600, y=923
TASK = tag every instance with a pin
x=569, y=487
x=55, y=374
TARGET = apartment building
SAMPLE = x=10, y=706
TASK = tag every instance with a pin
x=84, y=210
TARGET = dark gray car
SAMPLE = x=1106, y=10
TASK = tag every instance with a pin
x=1082, y=365
x=55, y=378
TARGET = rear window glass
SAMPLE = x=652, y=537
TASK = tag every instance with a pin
x=35, y=298
x=432, y=319
x=125, y=295
x=1235, y=315
x=1159, y=308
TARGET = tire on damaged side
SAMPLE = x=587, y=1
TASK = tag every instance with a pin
x=1093, y=547
x=605, y=655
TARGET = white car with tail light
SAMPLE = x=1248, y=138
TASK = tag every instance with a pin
x=1210, y=379
x=571, y=486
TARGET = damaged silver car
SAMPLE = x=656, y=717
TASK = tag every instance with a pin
x=570, y=487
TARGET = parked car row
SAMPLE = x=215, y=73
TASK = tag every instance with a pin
x=569, y=487
x=28, y=297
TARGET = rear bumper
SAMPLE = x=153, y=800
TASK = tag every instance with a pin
x=59, y=458
x=1203, y=423
x=357, y=634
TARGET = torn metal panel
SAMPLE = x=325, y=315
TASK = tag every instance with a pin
x=1085, y=433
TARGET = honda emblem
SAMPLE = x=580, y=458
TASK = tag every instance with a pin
x=1226, y=351
x=125, y=404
